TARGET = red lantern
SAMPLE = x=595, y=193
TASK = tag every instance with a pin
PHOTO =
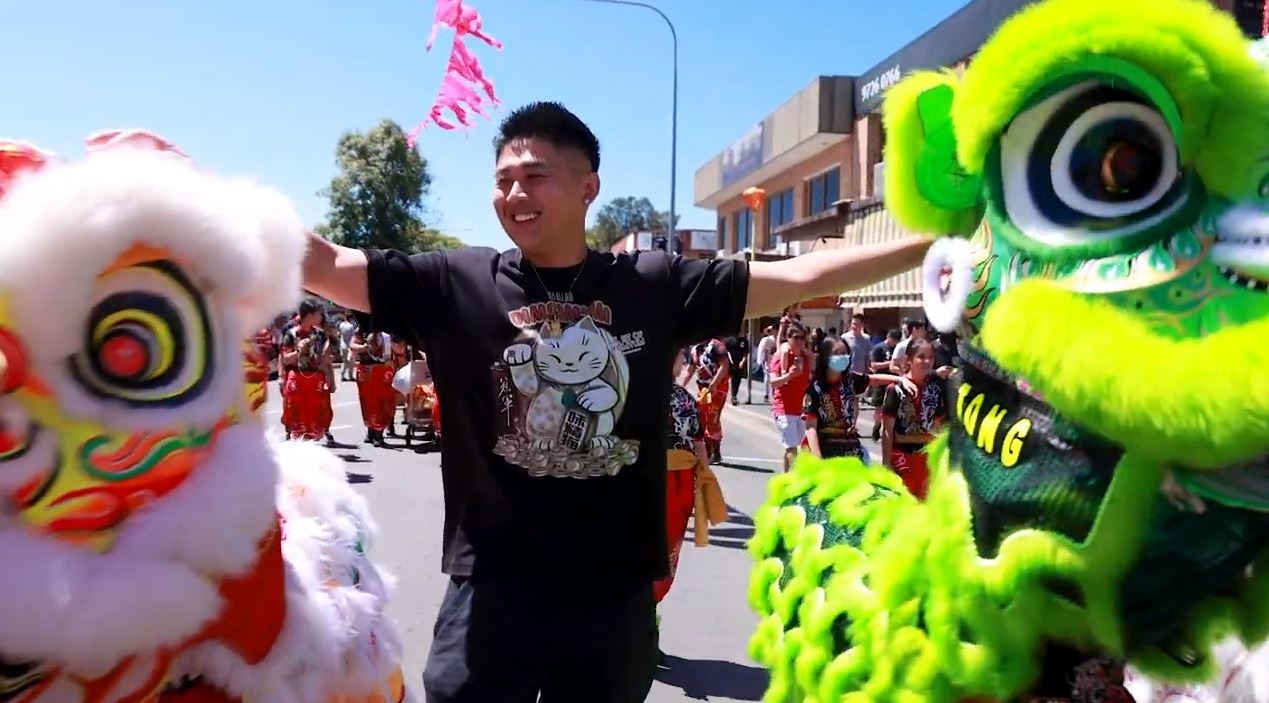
x=754, y=197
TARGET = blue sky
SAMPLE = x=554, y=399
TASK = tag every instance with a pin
x=265, y=87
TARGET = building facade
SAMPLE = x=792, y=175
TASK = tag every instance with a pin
x=692, y=243
x=818, y=157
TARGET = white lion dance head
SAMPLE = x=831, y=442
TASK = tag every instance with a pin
x=157, y=545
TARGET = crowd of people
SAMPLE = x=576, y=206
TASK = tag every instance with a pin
x=304, y=347
x=818, y=382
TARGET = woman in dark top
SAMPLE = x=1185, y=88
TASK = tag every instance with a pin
x=911, y=419
x=830, y=405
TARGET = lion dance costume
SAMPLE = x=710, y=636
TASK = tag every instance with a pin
x=1100, y=498
x=158, y=545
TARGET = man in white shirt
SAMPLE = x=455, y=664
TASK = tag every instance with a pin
x=347, y=328
x=860, y=345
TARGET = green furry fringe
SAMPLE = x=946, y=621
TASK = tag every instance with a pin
x=865, y=594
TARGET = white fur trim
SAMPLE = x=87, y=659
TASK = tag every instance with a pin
x=337, y=640
x=1242, y=677
x=86, y=611
x=945, y=312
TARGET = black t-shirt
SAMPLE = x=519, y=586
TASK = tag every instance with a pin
x=880, y=352
x=555, y=403
x=737, y=350
x=944, y=354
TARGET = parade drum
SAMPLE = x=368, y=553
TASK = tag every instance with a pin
x=413, y=374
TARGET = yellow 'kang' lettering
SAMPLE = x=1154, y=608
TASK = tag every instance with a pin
x=961, y=394
x=985, y=428
x=970, y=419
x=1012, y=449
x=990, y=425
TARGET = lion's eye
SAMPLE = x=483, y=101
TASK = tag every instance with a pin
x=1090, y=162
x=147, y=341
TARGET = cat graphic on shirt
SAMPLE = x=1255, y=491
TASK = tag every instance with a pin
x=564, y=371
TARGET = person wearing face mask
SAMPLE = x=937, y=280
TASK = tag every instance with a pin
x=829, y=407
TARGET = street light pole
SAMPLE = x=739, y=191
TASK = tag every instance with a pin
x=671, y=233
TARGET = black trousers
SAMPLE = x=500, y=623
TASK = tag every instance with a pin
x=736, y=375
x=495, y=643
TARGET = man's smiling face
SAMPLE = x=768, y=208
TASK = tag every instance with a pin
x=541, y=193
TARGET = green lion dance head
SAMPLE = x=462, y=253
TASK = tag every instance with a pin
x=1100, y=180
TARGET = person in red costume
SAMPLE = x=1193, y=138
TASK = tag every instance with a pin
x=373, y=352
x=306, y=407
x=712, y=368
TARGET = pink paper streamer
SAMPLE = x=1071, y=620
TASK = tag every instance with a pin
x=138, y=138
x=464, y=89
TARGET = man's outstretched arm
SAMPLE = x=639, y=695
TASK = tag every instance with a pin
x=337, y=274
x=774, y=285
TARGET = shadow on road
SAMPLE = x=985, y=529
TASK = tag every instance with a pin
x=745, y=467
x=340, y=445
x=353, y=458
x=358, y=478
x=733, y=534
x=701, y=679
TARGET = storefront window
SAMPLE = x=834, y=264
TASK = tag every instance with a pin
x=722, y=233
x=823, y=190
x=744, y=229
x=779, y=212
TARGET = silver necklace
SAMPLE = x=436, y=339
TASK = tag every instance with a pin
x=546, y=290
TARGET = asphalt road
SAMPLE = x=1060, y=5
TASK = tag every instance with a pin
x=706, y=622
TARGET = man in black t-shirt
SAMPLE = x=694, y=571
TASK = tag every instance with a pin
x=738, y=355
x=554, y=364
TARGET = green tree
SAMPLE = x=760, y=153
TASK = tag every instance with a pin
x=423, y=238
x=621, y=216
x=376, y=199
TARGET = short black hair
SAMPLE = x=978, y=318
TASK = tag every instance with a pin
x=308, y=306
x=894, y=334
x=552, y=123
x=859, y=316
